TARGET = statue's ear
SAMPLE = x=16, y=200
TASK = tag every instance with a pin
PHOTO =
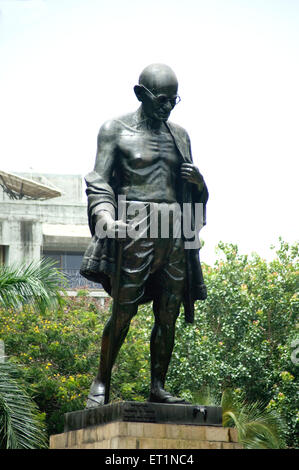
x=139, y=92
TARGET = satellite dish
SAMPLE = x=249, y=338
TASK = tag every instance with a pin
x=18, y=187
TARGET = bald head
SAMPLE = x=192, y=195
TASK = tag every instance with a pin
x=157, y=91
x=156, y=77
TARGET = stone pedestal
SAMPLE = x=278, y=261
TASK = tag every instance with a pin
x=134, y=425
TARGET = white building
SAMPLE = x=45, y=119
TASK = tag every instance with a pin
x=53, y=223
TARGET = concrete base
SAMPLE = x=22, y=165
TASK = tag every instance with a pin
x=131, y=425
x=122, y=435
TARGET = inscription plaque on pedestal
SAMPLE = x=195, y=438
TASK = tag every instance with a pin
x=147, y=412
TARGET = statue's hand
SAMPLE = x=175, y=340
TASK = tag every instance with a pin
x=191, y=173
x=106, y=226
x=120, y=229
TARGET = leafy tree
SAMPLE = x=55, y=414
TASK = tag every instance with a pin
x=21, y=425
x=59, y=352
x=241, y=340
x=37, y=283
x=243, y=333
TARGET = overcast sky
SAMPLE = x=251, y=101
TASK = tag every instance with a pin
x=66, y=66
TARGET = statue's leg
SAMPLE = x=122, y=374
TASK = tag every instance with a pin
x=166, y=308
x=125, y=314
x=166, y=311
x=136, y=266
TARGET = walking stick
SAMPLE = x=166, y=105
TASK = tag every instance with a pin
x=189, y=307
x=115, y=292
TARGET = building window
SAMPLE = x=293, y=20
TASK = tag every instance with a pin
x=69, y=264
x=2, y=254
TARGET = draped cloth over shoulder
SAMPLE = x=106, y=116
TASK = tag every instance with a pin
x=99, y=260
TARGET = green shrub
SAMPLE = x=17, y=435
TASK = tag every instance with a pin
x=241, y=340
x=59, y=353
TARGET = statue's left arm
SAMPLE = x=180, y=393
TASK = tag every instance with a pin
x=191, y=174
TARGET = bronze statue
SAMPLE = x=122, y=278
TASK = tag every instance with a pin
x=146, y=160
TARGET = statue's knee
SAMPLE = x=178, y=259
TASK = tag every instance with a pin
x=168, y=308
x=125, y=315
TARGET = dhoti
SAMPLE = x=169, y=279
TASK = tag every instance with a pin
x=151, y=259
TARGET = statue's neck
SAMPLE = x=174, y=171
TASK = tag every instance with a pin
x=145, y=122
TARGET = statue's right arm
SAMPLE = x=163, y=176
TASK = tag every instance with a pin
x=104, y=166
x=107, y=145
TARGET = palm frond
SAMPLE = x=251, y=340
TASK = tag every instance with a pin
x=39, y=282
x=257, y=427
x=20, y=424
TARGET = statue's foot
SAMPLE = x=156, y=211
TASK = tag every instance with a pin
x=96, y=395
x=95, y=400
x=161, y=396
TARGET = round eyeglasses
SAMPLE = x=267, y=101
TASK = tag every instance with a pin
x=163, y=99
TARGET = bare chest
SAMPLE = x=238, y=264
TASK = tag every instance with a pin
x=143, y=149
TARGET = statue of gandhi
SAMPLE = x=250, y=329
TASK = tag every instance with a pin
x=146, y=159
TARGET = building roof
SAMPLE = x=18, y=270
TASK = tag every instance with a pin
x=18, y=187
